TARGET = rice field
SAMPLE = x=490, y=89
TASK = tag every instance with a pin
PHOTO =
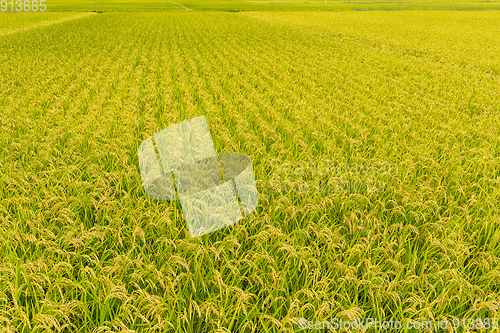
x=269, y=5
x=374, y=137
x=22, y=22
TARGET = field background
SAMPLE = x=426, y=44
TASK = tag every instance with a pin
x=83, y=250
x=246, y=5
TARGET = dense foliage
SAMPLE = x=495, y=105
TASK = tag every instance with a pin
x=83, y=249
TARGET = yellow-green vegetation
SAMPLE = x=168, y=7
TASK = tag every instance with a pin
x=83, y=249
x=113, y=5
x=466, y=39
x=338, y=5
x=23, y=21
x=271, y=5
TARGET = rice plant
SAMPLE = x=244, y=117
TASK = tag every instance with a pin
x=83, y=249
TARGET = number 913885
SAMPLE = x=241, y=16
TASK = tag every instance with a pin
x=23, y=5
